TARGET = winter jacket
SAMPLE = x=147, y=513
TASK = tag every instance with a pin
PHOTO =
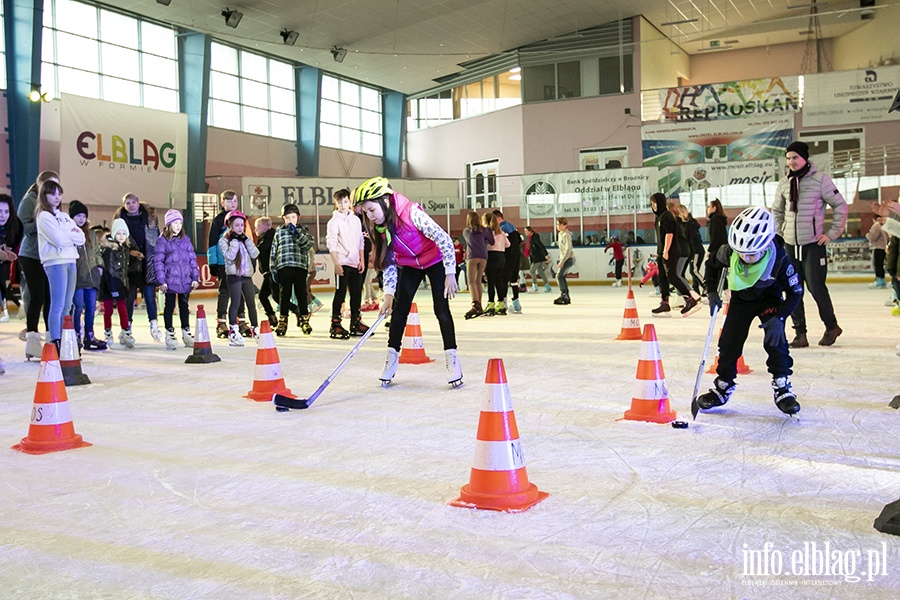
x=264, y=245
x=564, y=243
x=616, y=247
x=664, y=225
x=25, y=212
x=878, y=237
x=143, y=238
x=116, y=259
x=344, y=238
x=231, y=248
x=88, y=265
x=537, y=252
x=802, y=224
x=717, y=232
x=290, y=248
x=696, y=241
x=217, y=229
x=412, y=248
x=682, y=238
x=58, y=238
x=175, y=264
x=501, y=243
x=477, y=241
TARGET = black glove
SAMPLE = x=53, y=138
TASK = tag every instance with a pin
x=240, y=237
x=774, y=329
x=715, y=303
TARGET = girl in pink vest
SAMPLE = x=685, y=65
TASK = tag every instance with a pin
x=407, y=245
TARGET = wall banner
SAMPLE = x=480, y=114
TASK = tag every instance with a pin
x=843, y=97
x=731, y=100
x=108, y=150
x=759, y=138
x=591, y=193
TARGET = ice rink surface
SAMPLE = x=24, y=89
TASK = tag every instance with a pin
x=191, y=491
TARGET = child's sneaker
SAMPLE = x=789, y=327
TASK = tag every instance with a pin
x=234, y=336
x=187, y=338
x=171, y=342
x=126, y=339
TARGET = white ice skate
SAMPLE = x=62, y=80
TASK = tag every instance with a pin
x=390, y=366
x=126, y=339
x=33, y=347
x=187, y=338
x=234, y=336
x=155, y=332
x=454, y=368
x=171, y=342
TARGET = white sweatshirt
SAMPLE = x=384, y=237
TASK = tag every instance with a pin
x=58, y=238
x=344, y=238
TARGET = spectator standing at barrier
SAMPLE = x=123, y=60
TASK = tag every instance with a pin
x=539, y=258
x=878, y=241
x=799, y=209
x=618, y=256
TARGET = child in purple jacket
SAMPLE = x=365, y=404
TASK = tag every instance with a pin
x=178, y=274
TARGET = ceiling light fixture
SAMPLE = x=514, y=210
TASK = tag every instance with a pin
x=338, y=54
x=289, y=37
x=515, y=70
x=232, y=17
x=681, y=22
x=35, y=94
x=516, y=77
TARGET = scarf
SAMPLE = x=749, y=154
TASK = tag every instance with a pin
x=795, y=177
x=383, y=230
x=742, y=276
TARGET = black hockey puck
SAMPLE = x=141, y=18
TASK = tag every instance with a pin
x=282, y=408
x=680, y=424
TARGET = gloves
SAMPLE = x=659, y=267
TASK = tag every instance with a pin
x=774, y=329
x=715, y=303
x=241, y=238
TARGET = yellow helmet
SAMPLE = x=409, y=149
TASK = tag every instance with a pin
x=371, y=189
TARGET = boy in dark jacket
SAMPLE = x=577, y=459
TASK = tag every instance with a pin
x=764, y=284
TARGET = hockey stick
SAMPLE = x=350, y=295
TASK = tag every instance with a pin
x=695, y=408
x=284, y=402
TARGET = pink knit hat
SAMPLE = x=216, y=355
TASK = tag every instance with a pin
x=172, y=215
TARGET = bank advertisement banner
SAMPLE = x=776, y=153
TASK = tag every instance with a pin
x=698, y=177
x=610, y=191
x=759, y=138
x=731, y=100
x=315, y=194
x=108, y=150
x=844, y=97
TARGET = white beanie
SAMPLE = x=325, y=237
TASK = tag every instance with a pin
x=118, y=225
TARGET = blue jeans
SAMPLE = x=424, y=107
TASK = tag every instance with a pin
x=62, y=288
x=85, y=300
x=149, y=293
x=561, y=275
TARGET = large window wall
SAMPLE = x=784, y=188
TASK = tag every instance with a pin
x=252, y=93
x=100, y=53
x=350, y=116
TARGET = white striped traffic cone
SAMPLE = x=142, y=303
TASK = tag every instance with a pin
x=650, y=398
x=268, y=379
x=69, y=359
x=202, y=347
x=413, y=350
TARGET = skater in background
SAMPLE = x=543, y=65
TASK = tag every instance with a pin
x=228, y=201
x=289, y=264
x=239, y=251
x=511, y=259
x=618, y=256
x=682, y=238
x=36, y=296
x=764, y=285
x=478, y=238
x=371, y=302
x=178, y=275
x=347, y=249
x=698, y=254
x=495, y=269
x=878, y=241
x=566, y=259
x=58, y=241
x=10, y=237
x=799, y=209
x=269, y=289
x=459, y=249
x=117, y=255
x=716, y=227
x=409, y=246
x=539, y=258
x=88, y=272
x=667, y=257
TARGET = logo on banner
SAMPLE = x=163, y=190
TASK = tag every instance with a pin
x=540, y=196
x=113, y=152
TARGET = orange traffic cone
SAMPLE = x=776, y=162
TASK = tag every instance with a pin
x=631, y=325
x=413, y=350
x=650, y=399
x=742, y=367
x=268, y=379
x=202, y=347
x=498, y=480
x=70, y=361
x=51, y=428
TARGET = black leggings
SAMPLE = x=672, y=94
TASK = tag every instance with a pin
x=241, y=288
x=668, y=273
x=496, y=276
x=183, y=310
x=351, y=279
x=266, y=291
x=38, y=290
x=292, y=280
x=408, y=281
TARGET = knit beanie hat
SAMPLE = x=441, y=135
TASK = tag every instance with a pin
x=800, y=148
x=172, y=215
x=118, y=225
x=77, y=208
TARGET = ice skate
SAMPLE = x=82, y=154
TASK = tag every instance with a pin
x=547, y=289
x=390, y=366
x=516, y=307
x=222, y=329
x=282, y=327
x=337, y=331
x=691, y=305
x=534, y=288
x=4, y=315
x=315, y=305
x=234, y=336
x=618, y=283
x=785, y=399
x=171, y=341
x=155, y=332
x=245, y=329
x=663, y=310
x=718, y=395
x=305, y=327
x=92, y=343
x=108, y=335
x=500, y=309
x=187, y=338
x=33, y=347
x=454, y=368
x=273, y=320
x=490, y=310
x=126, y=339
x=475, y=311
x=357, y=327
x=563, y=299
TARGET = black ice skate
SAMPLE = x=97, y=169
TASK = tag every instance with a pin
x=690, y=306
x=222, y=329
x=357, y=327
x=718, y=395
x=663, y=310
x=785, y=399
x=337, y=331
x=475, y=311
x=305, y=327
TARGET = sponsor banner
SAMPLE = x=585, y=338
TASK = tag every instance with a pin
x=108, y=150
x=843, y=97
x=731, y=100
x=315, y=194
x=588, y=193
x=668, y=144
x=692, y=178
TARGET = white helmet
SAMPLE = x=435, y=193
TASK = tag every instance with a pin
x=752, y=230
